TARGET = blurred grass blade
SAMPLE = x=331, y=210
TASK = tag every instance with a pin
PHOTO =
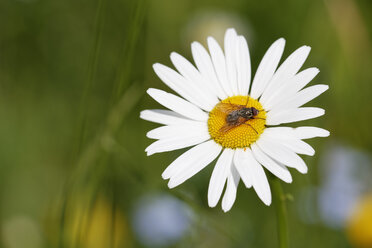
x=92, y=69
x=97, y=150
x=129, y=48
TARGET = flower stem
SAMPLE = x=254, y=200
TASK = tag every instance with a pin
x=281, y=213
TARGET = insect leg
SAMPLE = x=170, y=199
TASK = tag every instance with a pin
x=246, y=104
x=259, y=118
x=251, y=127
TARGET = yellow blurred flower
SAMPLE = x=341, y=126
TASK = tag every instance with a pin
x=359, y=226
x=91, y=224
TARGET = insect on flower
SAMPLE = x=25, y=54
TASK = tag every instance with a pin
x=225, y=116
x=237, y=115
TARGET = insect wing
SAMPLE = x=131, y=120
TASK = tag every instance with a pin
x=225, y=128
x=240, y=121
x=228, y=126
x=228, y=107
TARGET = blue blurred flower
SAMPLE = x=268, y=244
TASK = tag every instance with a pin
x=160, y=220
x=346, y=175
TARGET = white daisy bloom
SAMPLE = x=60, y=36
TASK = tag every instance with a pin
x=226, y=117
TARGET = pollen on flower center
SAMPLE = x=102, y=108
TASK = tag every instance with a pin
x=229, y=127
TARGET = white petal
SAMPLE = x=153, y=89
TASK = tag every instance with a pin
x=178, y=105
x=190, y=155
x=179, y=84
x=242, y=168
x=287, y=137
x=243, y=66
x=194, y=80
x=301, y=79
x=310, y=132
x=267, y=68
x=301, y=97
x=298, y=146
x=175, y=143
x=285, y=72
x=281, y=153
x=275, y=168
x=205, y=65
x=294, y=85
x=277, y=117
x=219, y=176
x=231, y=189
x=162, y=116
x=189, y=128
x=304, y=77
x=219, y=64
x=191, y=162
x=231, y=42
x=245, y=163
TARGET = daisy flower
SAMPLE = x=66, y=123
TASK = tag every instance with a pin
x=225, y=117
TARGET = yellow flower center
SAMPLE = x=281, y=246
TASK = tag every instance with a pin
x=230, y=125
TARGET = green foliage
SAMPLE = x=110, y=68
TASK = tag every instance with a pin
x=73, y=76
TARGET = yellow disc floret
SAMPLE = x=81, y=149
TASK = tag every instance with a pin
x=236, y=134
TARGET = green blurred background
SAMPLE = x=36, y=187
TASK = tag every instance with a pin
x=73, y=171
